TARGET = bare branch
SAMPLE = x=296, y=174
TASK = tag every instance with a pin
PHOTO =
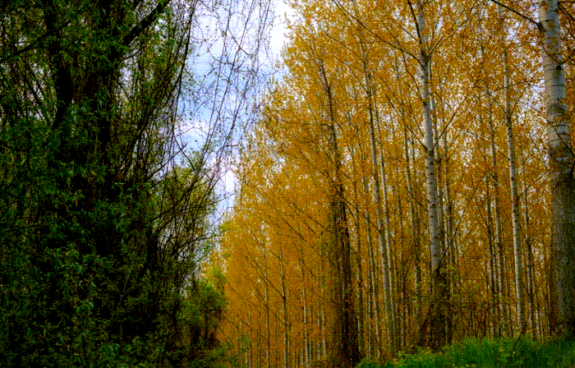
x=539, y=25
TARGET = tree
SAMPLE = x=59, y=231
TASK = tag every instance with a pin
x=561, y=163
x=105, y=215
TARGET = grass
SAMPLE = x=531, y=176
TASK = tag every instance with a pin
x=489, y=353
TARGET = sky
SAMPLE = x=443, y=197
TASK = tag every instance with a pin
x=278, y=34
x=277, y=41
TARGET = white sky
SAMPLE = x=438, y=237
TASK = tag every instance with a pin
x=277, y=39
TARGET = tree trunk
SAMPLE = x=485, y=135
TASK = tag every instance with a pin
x=286, y=322
x=357, y=225
x=304, y=311
x=449, y=236
x=500, y=259
x=389, y=315
x=492, y=234
x=373, y=285
x=437, y=315
x=415, y=233
x=519, y=288
x=561, y=163
x=345, y=339
x=267, y=297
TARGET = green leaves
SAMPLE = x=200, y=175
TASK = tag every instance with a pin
x=97, y=240
x=489, y=353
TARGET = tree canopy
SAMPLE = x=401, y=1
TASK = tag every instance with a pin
x=436, y=136
x=105, y=205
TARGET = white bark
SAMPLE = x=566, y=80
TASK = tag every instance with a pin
x=561, y=162
x=519, y=287
x=415, y=234
x=429, y=142
x=438, y=321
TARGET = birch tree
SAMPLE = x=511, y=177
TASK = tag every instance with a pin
x=561, y=164
x=437, y=316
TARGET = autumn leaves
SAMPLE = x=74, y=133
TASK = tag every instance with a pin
x=397, y=185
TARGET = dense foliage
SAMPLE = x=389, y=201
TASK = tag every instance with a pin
x=102, y=230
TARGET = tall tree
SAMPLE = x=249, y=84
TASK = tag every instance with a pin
x=437, y=312
x=102, y=226
x=561, y=163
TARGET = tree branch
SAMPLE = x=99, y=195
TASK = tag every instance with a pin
x=539, y=25
x=32, y=44
x=146, y=22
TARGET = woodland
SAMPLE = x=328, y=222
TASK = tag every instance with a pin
x=404, y=182
x=115, y=120
x=408, y=185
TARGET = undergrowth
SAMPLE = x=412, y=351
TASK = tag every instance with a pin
x=489, y=353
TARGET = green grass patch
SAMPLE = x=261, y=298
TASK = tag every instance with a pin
x=489, y=353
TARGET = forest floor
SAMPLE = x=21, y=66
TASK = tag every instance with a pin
x=489, y=353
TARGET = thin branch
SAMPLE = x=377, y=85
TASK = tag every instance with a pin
x=539, y=25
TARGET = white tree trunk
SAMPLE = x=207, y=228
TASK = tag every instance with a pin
x=415, y=233
x=429, y=142
x=516, y=220
x=561, y=163
x=437, y=316
x=382, y=219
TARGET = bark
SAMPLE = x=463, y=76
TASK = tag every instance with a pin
x=305, y=316
x=345, y=338
x=414, y=219
x=437, y=313
x=561, y=163
x=307, y=356
x=415, y=233
x=495, y=329
x=373, y=285
x=519, y=288
x=357, y=225
x=495, y=241
x=390, y=262
x=449, y=235
x=530, y=266
x=389, y=315
x=250, y=352
x=382, y=218
x=500, y=268
x=285, y=321
x=267, y=297
x=495, y=326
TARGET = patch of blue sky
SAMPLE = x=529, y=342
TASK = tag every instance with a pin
x=236, y=48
